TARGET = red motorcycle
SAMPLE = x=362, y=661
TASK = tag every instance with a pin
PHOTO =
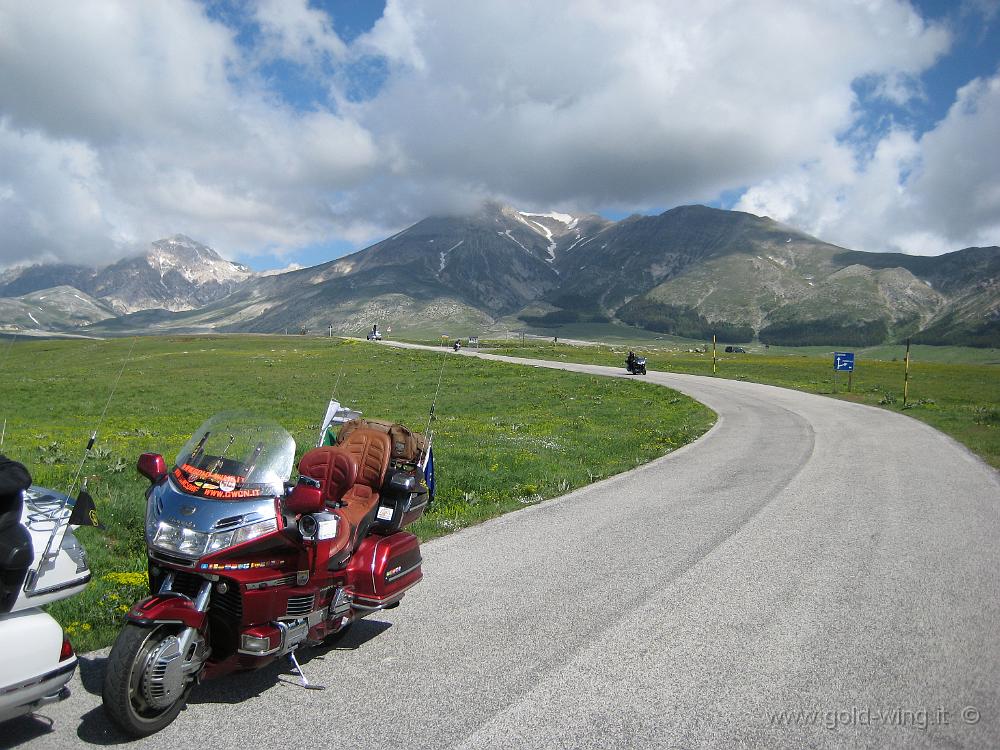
x=244, y=568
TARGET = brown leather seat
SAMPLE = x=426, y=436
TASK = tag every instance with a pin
x=351, y=475
x=334, y=468
x=371, y=451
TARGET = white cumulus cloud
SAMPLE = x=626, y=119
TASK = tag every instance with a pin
x=122, y=122
x=920, y=194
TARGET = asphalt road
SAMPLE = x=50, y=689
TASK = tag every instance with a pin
x=833, y=561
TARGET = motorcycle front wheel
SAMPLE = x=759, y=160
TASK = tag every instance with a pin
x=127, y=695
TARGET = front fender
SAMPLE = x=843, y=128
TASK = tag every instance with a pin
x=167, y=607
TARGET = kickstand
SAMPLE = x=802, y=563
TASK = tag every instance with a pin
x=302, y=675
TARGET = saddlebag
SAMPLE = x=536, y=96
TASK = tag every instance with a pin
x=383, y=568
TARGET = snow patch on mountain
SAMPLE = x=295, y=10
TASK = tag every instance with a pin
x=287, y=269
x=506, y=233
x=445, y=254
x=543, y=230
x=576, y=242
x=569, y=221
x=195, y=262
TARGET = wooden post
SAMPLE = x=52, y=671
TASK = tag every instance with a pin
x=906, y=374
x=715, y=367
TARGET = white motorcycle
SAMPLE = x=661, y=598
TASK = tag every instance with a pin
x=41, y=561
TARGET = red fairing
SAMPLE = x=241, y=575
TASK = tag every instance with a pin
x=166, y=608
x=383, y=568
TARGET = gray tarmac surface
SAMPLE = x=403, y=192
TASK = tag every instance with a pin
x=835, y=562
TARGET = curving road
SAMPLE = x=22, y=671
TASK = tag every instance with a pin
x=831, y=561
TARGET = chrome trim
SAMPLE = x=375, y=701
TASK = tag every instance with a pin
x=382, y=603
x=271, y=583
x=82, y=581
x=168, y=582
x=179, y=561
x=402, y=573
x=274, y=650
x=68, y=667
x=201, y=600
x=300, y=605
x=413, y=506
x=61, y=695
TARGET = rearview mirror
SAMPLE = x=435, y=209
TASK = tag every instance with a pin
x=152, y=466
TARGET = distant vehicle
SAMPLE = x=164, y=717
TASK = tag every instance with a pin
x=735, y=350
x=375, y=334
x=636, y=366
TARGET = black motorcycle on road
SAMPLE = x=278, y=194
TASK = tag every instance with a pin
x=636, y=365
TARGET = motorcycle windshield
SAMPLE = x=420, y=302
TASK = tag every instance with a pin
x=235, y=455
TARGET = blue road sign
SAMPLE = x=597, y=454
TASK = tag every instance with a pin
x=843, y=361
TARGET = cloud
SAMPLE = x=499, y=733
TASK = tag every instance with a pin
x=122, y=122
x=925, y=195
x=148, y=118
x=646, y=103
x=294, y=31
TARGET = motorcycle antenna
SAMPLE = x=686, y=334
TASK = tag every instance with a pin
x=59, y=531
x=100, y=421
x=430, y=415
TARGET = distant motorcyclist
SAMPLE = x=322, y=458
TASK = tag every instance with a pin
x=630, y=360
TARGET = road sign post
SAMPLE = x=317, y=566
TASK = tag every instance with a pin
x=906, y=374
x=843, y=362
x=715, y=368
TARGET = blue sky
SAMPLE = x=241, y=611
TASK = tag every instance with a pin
x=293, y=131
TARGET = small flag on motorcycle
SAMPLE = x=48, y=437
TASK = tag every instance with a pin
x=85, y=512
x=429, y=472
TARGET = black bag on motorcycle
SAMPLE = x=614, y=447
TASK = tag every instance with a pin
x=402, y=501
x=16, y=551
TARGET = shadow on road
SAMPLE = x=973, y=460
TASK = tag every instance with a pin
x=24, y=729
x=96, y=729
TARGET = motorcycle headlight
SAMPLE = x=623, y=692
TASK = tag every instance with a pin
x=225, y=539
x=178, y=539
x=192, y=543
x=254, y=530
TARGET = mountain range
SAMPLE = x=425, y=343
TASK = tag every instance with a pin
x=176, y=273
x=690, y=271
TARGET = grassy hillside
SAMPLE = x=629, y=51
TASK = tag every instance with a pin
x=495, y=449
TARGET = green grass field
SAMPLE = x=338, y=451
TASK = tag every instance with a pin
x=960, y=398
x=506, y=436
